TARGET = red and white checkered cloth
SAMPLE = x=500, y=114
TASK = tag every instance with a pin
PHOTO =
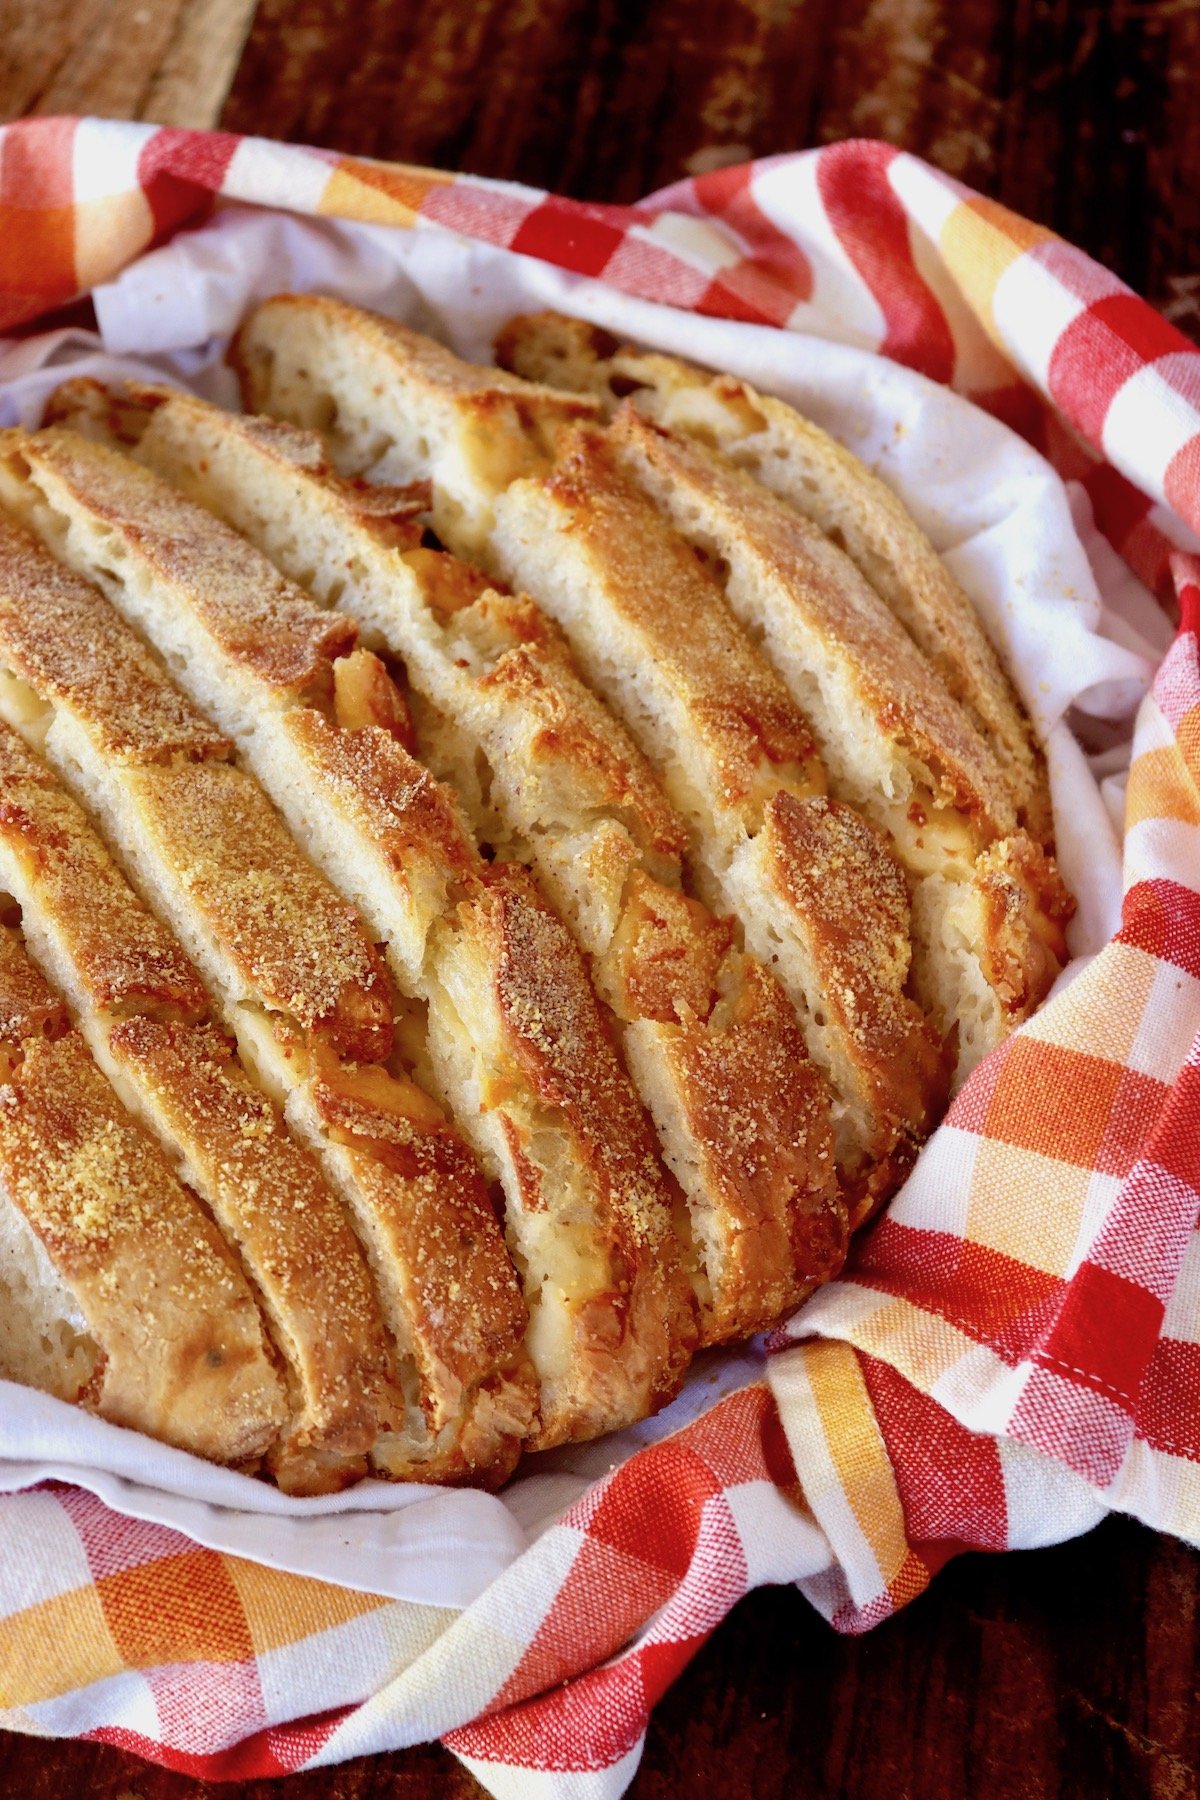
x=1017, y=1346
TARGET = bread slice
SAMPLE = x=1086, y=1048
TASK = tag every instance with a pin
x=711, y=1042
x=820, y=896
x=389, y=400
x=117, y=1291
x=826, y=483
x=141, y=1008
x=896, y=744
x=380, y=826
x=298, y=982
x=733, y=748
x=550, y=778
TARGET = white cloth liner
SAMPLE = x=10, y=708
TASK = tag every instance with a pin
x=1077, y=630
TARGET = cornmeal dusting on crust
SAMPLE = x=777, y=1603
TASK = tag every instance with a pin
x=740, y=708
x=301, y=978
x=120, y=417
x=823, y=481
x=471, y=1305
x=296, y=941
x=897, y=745
x=282, y=1216
x=395, y=839
x=178, y=1074
x=558, y=1037
x=546, y=773
x=64, y=639
x=792, y=567
x=830, y=864
x=183, y=1350
x=123, y=957
x=28, y=1005
x=762, y=1115
x=778, y=1156
x=250, y=610
x=555, y=1035
x=390, y=794
x=698, y=713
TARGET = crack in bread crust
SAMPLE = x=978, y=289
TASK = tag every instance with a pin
x=586, y=808
x=298, y=979
x=381, y=827
x=595, y=551
x=897, y=745
x=824, y=481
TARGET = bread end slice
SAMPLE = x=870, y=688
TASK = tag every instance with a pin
x=146, y=1319
x=388, y=399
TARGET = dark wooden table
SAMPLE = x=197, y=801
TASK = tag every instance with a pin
x=1070, y=1672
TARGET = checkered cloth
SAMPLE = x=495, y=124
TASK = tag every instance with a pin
x=1017, y=1346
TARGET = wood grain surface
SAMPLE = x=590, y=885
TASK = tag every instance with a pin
x=1080, y=113
x=1070, y=1672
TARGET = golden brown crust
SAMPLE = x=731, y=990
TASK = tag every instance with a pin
x=389, y=824
x=465, y=1310
x=62, y=637
x=119, y=416
x=29, y=1007
x=527, y=662
x=283, y=925
x=298, y=945
x=827, y=482
x=1025, y=907
x=289, y=1230
x=410, y=819
x=527, y=658
x=595, y=546
x=180, y=1076
x=490, y=395
x=905, y=750
x=760, y=1114
x=740, y=710
x=299, y=950
x=910, y=705
x=634, y=1339
x=125, y=960
x=667, y=954
x=837, y=874
x=250, y=611
x=183, y=1352
x=512, y=676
